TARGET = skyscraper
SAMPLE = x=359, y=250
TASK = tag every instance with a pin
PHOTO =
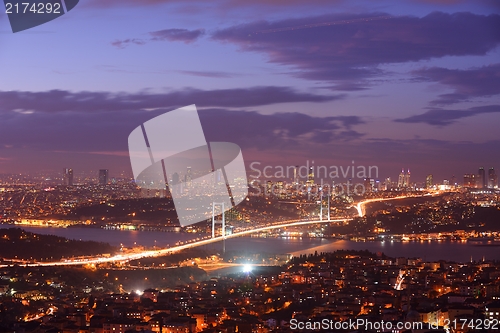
x=401, y=179
x=481, y=181
x=429, y=182
x=103, y=176
x=388, y=184
x=310, y=176
x=68, y=177
x=453, y=181
x=296, y=175
x=189, y=177
x=407, y=179
x=492, y=178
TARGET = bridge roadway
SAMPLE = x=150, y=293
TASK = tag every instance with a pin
x=161, y=252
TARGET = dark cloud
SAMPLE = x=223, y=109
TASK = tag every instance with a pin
x=348, y=49
x=171, y=35
x=177, y=35
x=281, y=3
x=105, y=132
x=211, y=74
x=441, y=117
x=62, y=101
x=278, y=130
x=477, y=82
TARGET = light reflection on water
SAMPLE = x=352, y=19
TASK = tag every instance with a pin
x=452, y=251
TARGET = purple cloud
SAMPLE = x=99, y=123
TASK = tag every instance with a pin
x=477, y=82
x=441, y=117
x=125, y=42
x=171, y=35
x=348, y=49
x=211, y=74
x=177, y=35
x=62, y=101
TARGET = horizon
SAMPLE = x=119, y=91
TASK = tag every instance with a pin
x=410, y=84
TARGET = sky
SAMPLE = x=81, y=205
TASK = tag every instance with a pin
x=409, y=84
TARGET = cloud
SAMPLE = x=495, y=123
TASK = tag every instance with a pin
x=171, y=35
x=476, y=82
x=279, y=130
x=441, y=117
x=280, y=3
x=211, y=74
x=63, y=101
x=177, y=35
x=125, y=42
x=105, y=132
x=349, y=49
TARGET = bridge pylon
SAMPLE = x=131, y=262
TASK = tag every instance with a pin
x=223, y=219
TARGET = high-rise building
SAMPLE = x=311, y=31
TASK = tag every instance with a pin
x=401, y=179
x=103, y=176
x=429, y=182
x=388, y=184
x=470, y=180
x=310, y=176
x=492, y=178
x=296, y=175
x=68, y=177
x=189, y=177
x=367, y=183
x=481, y=180
x=407, y=179
x=453, y=181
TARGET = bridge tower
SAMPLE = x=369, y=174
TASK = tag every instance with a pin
x=221, y=204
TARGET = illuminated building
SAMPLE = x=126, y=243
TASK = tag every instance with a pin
x=296, y=175
x=401, y=179
x=492, y=178
x=310, y=176
x=103, y=176
x=469, y=180
x=269, y=187
x=404, y=179
x=481, y=181
x=388, y=184
x=68, y=177
x=189, y=177
x=429, y=182
x=407, y=179
x=453, y=181
x=368, y=185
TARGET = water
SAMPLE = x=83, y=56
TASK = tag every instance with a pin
x=445, y=250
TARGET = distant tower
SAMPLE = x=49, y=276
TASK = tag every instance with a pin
x=401, y=179
x=429, y=182
x=388, y=184
x=189, y=176
x=453, y=182
x=68, y=177
x=103, y=176
x=492, y=178
x=407, y=179
x=296, y=175
x=310, y=176
x=481, y=181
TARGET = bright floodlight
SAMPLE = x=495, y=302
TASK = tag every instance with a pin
x=138, y=292
x=247, y=268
